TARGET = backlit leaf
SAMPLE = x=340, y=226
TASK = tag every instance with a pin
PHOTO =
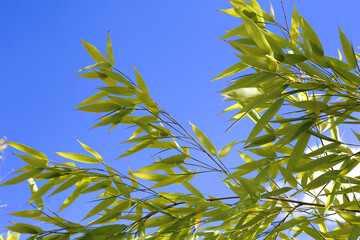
x=204, y=140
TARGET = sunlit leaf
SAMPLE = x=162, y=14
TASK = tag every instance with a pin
x=204, y=140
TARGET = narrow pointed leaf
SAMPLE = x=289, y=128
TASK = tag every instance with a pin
x=109, y=51
x=141, y=83
x=23, y=177
x=225, y=150
x=27, y=150
x=93, y=52
x=78, y=157
x=348, y=50
x=204, y=140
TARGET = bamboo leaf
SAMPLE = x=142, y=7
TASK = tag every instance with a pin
x=25, y=176
x=94, y=53
x=100, y=107
x=36, y=162
x=225, y=150
x=298, y=151
x=138, y=147
x=78, y=157
x=348, y=50
x=118, y=182
x=109, y=51
x=141, y=83
x=101, y=206
x=27, y=150
x=256, y=33
x=25, y=228
x=322, y=180
x=82, y=185
x=264, y=120
x=204, y=140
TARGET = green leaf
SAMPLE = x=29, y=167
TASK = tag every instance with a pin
x=355, y=232
x=101, y=206
x=276, y=192
x=109, y=51
x=350, y=218
x=82, y=185
x=238, y=67
x=27, y=150
x=192, y=189
x=44, y=189
x=250, y=187
x=92, y=99
x=310, y=105
x=264, y=120
x=25, y=228
x=33, y=188
x=141, y=83
x=262, y=140
x=294, y=29
x=349, y=78
x=122, y=91
x=150, y=176
x=170, y=180
x=314, y=164
x=78, y=157
x=118, y=182
x=298, y=151
x=255, y=33
x=100, y=107
x=104, y=232
x=27, y=213
x=166, y=163
x=138, y=147
x=94, y=53
x=148, y=102
x=117, y=77
x=113, y=119
x=250, y=167
x=204, y=140
x=311, y=36
x=90, y=150
x=25, y=176
x=104, y=64
x=322, y=180
x=348, y=50
x=36, y=162
x=69, y=183
x=225, y=150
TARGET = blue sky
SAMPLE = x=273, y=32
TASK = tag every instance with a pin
x=173, y=43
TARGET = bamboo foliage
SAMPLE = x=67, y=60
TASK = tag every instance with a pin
x=297, y=178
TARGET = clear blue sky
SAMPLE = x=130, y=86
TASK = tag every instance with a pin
x=173, y=43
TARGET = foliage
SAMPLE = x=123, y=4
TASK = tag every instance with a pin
x=11, y=236
x=286, y=188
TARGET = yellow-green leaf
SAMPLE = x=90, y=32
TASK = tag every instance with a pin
x=118, y=182
x=204, y=140
x=100, y=107
x=109, y=51
x=225, y=150
x=101, y=206
x=264, y=120
x=27, y=150
x=141, y=83
x=78, y=157
x=94, y=53
x=25, y=176
x=348, y=50
x=37, y=162
x=25, y=228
